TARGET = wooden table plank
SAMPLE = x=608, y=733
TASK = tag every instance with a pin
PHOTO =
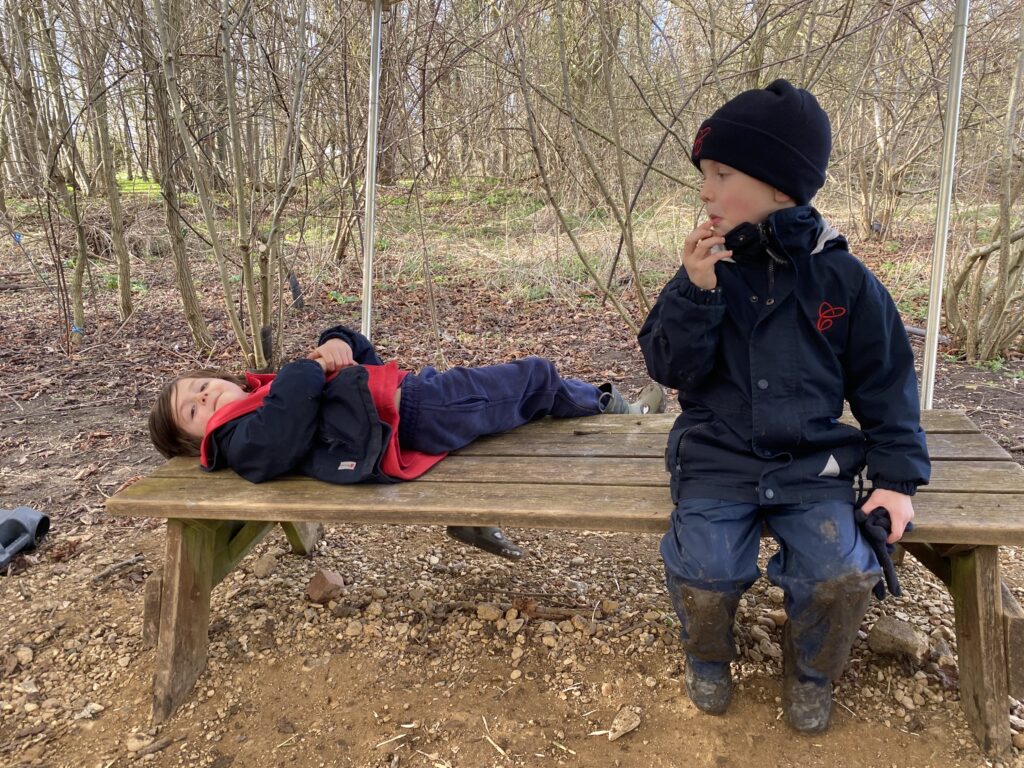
x=947, y=476
x=960, y=518
x=524, y=442
x=937, y=422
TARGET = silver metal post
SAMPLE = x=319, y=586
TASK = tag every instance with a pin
x=956, y=75
x=370, y=186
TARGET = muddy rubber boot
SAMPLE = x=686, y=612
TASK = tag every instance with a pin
x=808, y=705
x=651, y=400
x=841, y=606
x=709, y=689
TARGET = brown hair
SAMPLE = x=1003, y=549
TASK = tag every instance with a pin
x=164, y=431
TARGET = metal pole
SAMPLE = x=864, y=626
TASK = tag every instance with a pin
x=370, y=186
x=956, y=76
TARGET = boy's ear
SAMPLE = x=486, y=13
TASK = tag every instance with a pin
x=781, y=197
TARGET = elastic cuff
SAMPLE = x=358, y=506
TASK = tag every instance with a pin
x=701, y=296
x=337, y=332
x=906, y=488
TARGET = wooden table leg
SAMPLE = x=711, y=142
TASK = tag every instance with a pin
x=184, y=613
x=1013, y=632
x=977, y=601
x=303, y=536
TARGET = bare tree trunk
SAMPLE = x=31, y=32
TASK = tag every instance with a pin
x=165, y=154
x=205, y=199
x=93, y=53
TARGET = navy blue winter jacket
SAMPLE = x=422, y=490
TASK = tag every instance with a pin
x=764, y=362
x=329, y=430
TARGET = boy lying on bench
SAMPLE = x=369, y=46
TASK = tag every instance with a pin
x=343, y=416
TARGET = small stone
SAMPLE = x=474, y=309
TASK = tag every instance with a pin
x=89, y=711
x=137, y=741
x=489, y=612
x=354, y=628
x=378, y=593
x=550, y=641
x=582, y=623
x=1018, y=740
x=516, y=674
x=776, y=595
x=515, y=625
x=578, y=561
x=626, y=720
x=24, y=655
x=517, y=653
x=759, y=633
x=547, y=628
x=608, y=606
x=606, y=689
x=778, y=617
x=265, y=566
x=285, y=725
x=893, y=637
x=325, y=586
x=26, y=686
x=650, y=682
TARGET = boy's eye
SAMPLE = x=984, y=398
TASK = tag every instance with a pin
x=203, y=386
x=192, y=412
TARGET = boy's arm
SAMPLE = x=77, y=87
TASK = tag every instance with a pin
x=881, y=388
x=273, y=439
x=363, y=351
x=680, y=335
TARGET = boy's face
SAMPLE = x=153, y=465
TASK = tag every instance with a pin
x=194, y=401
x=732, y=197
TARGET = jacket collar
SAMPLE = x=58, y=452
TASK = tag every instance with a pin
x=785, y=232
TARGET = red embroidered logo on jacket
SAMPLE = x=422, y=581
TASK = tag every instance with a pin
x=827, y=313
x=699, y=141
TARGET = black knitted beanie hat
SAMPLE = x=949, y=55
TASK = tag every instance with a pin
x=779, y=135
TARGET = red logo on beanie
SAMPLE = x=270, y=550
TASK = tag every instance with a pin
x=699, y=141
x=827, y=313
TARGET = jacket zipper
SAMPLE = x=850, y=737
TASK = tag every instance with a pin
x=773, y=257
x=682, y=440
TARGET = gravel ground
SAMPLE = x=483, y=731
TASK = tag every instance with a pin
x=458, y=659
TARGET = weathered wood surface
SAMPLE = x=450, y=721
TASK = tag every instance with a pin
x=184, y=614
x=950, y=476
x=982, y=652
x=950, y=518
x=961, y=446
x=1013, y=632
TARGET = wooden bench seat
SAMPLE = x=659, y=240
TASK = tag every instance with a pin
x=600, y=473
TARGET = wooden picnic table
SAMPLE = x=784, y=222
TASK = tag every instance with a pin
x=599, y=473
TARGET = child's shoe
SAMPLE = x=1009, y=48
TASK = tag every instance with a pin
x=651, y=400
x=488, y=538
x=709, y=687
x=808, y=705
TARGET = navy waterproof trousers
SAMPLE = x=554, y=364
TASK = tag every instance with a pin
x=445, y=411
x=824, y=565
